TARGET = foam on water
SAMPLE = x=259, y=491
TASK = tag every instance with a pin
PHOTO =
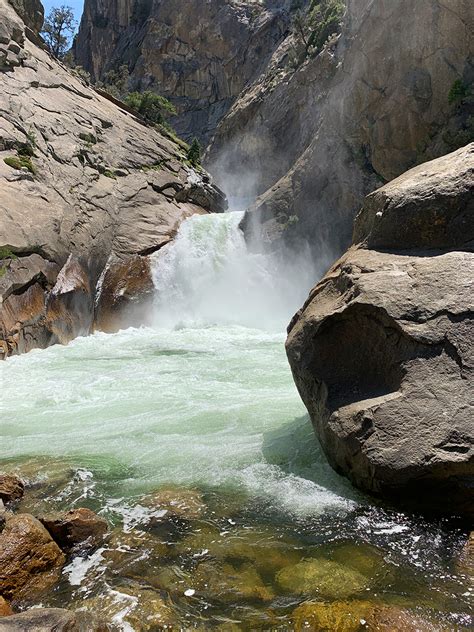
x=190, y=401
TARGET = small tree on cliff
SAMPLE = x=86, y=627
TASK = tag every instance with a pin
x=151, y=106
x=58, y=29
x=194, y=153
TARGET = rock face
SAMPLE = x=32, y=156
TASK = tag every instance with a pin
x=77, y=526
x=313, y=140
x=5, y=609
x=11, y=487
x=31, y=12
x=382, y=350
x=82, y=182
x=30, y=561
x=198, y=53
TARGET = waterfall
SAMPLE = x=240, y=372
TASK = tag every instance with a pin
x=207, y=276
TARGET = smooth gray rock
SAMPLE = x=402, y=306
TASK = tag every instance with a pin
x=382, y=351
x=428, y=207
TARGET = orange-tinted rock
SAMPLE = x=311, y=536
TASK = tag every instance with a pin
x=78, y=526
x=5, y=608
x=69, y=306
x=126, y=295
x=11, y=487
x=30, y=561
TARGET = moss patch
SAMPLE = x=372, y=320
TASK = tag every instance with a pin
x=20, y=162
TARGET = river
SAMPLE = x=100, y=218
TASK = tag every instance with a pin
x=203, y=406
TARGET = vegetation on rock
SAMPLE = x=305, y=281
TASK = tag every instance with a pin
x=194, y=153
x=313, y=26
x=20, y=162
x=151, y=106
x=458, y=92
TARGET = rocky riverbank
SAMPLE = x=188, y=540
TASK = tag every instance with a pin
x=382, y=350
x=176, y=548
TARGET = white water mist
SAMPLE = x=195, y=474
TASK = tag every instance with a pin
x=207, y=276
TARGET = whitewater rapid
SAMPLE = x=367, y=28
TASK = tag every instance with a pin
x=205, y=397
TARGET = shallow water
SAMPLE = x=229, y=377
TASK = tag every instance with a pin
x=203, y=406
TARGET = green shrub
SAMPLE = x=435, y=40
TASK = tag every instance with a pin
x=7, y=253
x=151, y=106
x=194, y=153
x=325, y=19
x=458, y=92
x=20, y=162
x=108, y=173
x=88, y=138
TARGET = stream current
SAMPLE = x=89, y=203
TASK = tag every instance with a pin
x=191, y=439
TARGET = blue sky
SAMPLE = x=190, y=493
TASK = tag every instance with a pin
x=75, y=4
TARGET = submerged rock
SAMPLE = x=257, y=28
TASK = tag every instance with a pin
x=135, y=553
x=381, y=351
x=187, y=504
x=76, y=527
x=321, y=577
x=465, y=563
x=52, y=620
x=389, y=618
x=339, y=616
x=132, y=607
x=266, y=550
x=30, y=561
x=11, y=487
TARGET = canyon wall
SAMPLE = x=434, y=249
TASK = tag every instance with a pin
x=198, y=53
x=314, y=138
x=87, y=191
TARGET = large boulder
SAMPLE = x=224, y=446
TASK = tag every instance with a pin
x=30, y=561
x=382, y=350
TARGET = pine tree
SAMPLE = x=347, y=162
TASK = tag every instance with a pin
x=194, y=153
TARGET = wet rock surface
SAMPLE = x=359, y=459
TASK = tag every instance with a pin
x=126, y=295
x=52, y=620
x=11, y=487
x=76, y=527
x=381, y=351
x=30, y=561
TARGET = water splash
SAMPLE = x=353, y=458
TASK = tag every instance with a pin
x=207, y=276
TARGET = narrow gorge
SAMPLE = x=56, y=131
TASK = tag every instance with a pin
x=236, y=300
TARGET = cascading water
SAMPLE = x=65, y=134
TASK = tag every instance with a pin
x=207, y=276
x=204, y=404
